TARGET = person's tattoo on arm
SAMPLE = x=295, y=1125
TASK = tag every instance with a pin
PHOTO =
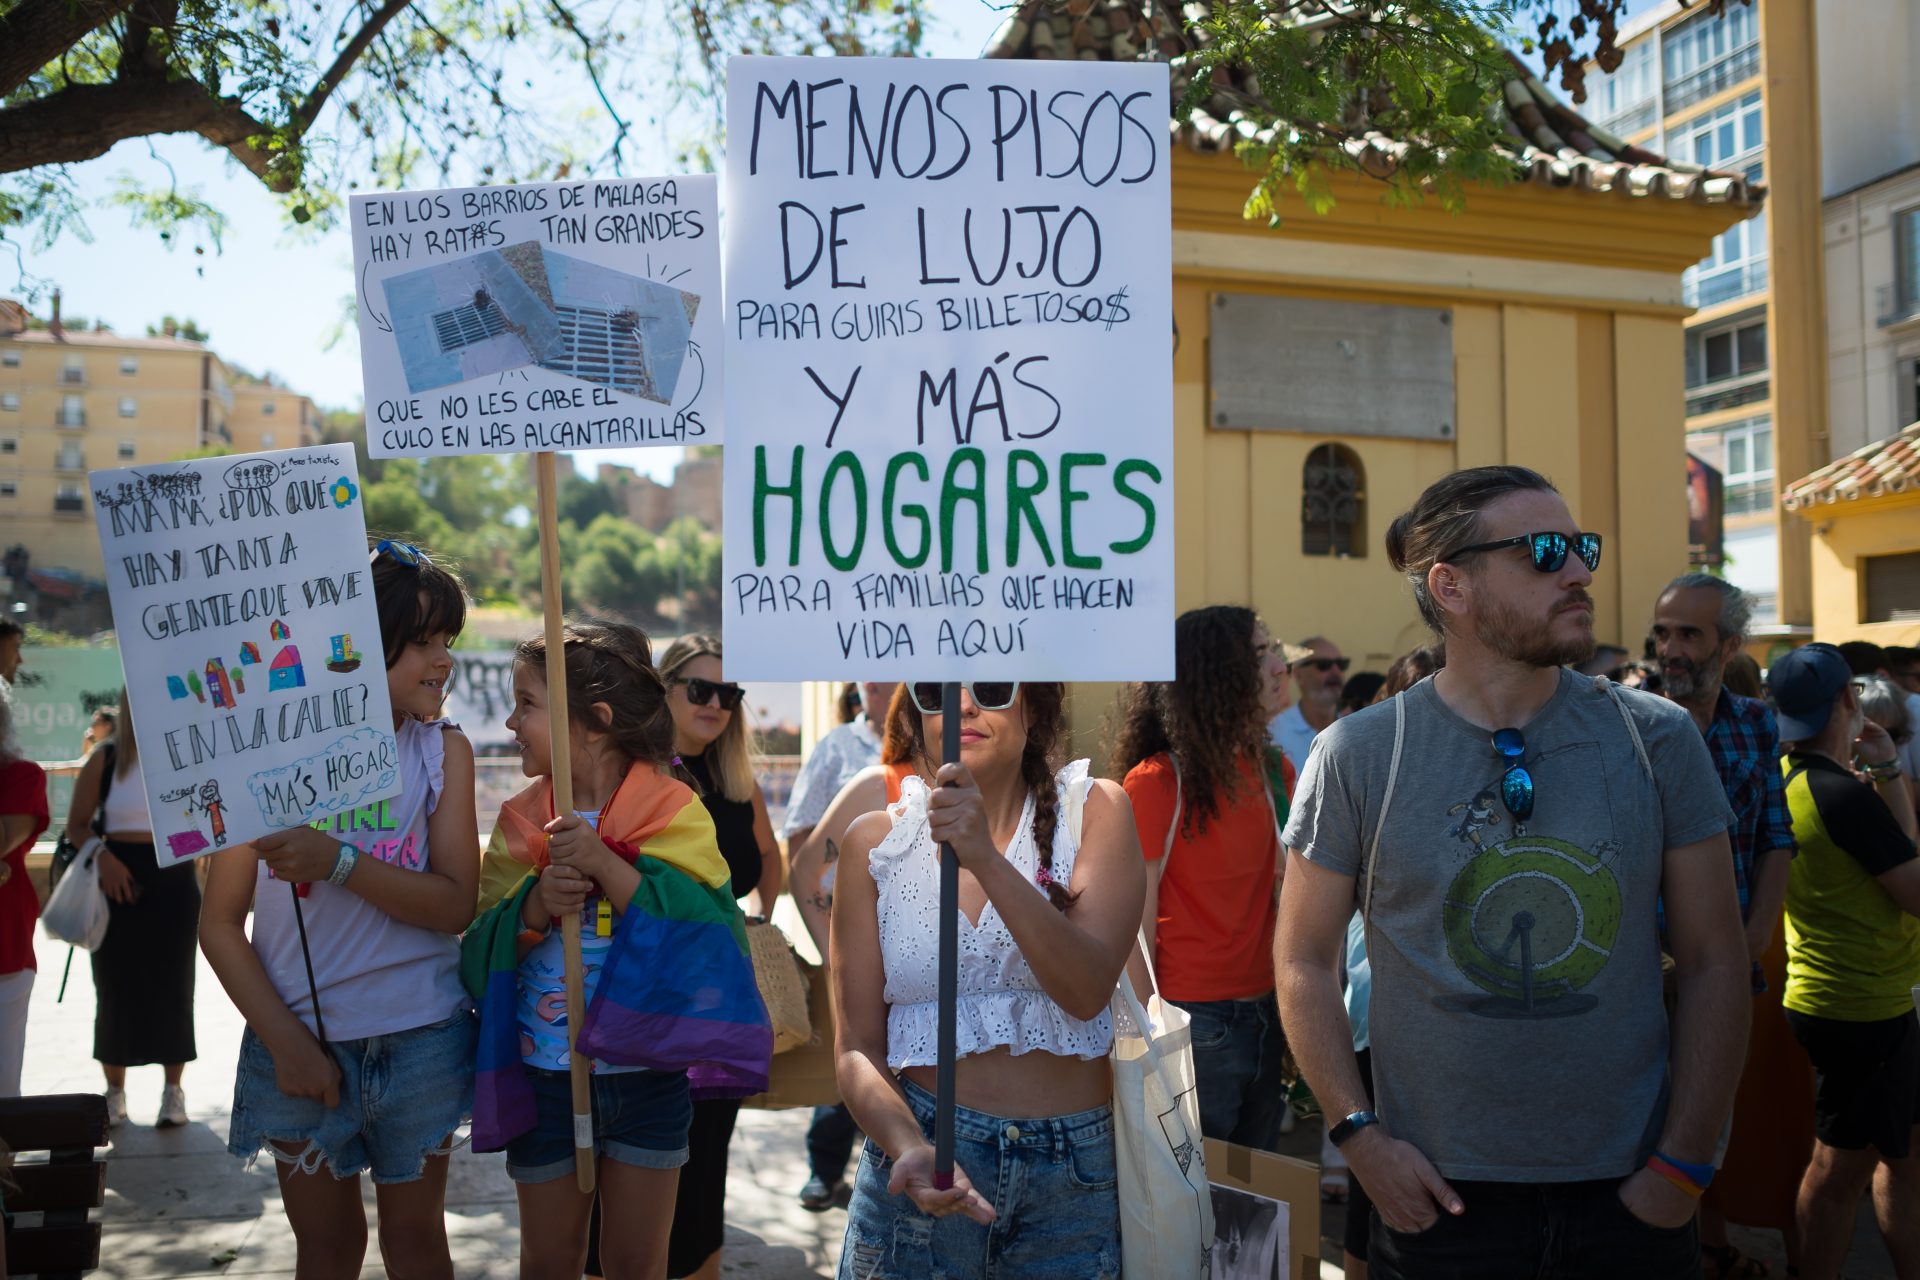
x=823, y=896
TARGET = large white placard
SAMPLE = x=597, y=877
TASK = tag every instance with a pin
x=545, y=316
x=949, y=291
x=250, y=641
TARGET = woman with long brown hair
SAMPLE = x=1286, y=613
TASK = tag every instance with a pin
x=1050, y=891
x=1193, y=755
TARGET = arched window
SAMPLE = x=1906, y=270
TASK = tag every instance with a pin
x=1333, y=503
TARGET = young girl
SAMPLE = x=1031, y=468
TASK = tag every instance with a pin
x=671, y=1005
x=386, y=892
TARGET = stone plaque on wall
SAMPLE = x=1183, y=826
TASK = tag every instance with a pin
x=1330, y=368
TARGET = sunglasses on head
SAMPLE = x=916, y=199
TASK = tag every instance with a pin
x=988, y=695
x=401, y=552
x=1548, y=549
x=1516, y=784
x=702, y=692
x=1325, y=664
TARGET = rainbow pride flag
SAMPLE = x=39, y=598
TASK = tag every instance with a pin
x=676, y=992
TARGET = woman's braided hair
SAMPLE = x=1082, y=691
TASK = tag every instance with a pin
x=1046, y=707
x=612, y=663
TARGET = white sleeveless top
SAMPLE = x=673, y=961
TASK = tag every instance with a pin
x=126, y=805
x=1000, y=1001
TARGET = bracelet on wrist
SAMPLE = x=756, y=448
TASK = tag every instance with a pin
x=1693, y=1179
x=345, y=858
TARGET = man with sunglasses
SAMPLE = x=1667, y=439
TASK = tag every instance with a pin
x=1506, y=828
x=843, y=752
x=1318, y=679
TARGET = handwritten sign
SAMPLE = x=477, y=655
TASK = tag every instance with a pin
x=553, y=315
x=949, y=289
x=250, y=640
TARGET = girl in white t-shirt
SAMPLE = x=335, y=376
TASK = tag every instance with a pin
x=385, y=892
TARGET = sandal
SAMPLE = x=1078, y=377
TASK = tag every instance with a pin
x=1333, y=1186
x=1727, y=1263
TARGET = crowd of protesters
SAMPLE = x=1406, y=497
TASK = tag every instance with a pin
x=1579, y=968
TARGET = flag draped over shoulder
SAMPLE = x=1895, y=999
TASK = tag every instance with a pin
x=676, y=991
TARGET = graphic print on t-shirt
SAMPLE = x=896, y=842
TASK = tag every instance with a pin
x=1530, y=920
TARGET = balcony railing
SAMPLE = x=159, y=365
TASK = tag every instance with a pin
x=1728, y=393
x=70, y=462
x=1742, y=64
x=70, y=418
x=69, y=504
x=1708, y=288
x=72, y=377
x=1748, y=497
x=1631, y=120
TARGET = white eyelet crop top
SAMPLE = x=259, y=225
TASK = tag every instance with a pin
x=1000, y=1001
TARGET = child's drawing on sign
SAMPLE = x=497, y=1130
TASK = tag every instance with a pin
x=218, y=685
x=343, y=658
x=286, y=671
x=184, y=844
x=208, y=801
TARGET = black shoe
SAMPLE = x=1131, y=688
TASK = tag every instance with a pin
x=817, y=1196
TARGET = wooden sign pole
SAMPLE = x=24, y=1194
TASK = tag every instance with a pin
x=578, y=1067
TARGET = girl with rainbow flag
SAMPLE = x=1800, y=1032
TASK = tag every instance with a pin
x=672, y=1008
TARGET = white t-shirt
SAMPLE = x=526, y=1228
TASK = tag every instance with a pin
x=1293, y=735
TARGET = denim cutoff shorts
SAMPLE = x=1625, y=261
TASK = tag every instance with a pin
x=402, y=1095
x=1052, y=1182
x=639, y=1118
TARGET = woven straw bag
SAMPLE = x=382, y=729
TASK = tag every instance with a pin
x=776, y=969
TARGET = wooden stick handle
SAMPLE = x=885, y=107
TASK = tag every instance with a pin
x=578, y=1066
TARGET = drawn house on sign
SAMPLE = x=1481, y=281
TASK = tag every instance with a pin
x=278, y=631
x=249, y=654
x=217, y=684
x=525, y=305
x=286, y=671
x=176, y=688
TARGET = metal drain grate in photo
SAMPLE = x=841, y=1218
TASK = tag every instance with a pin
x=597, y=349
x=466, y=325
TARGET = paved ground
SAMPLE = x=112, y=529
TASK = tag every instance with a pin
x=179, y=1205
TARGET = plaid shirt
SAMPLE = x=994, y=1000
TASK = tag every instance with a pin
x=1745, y=746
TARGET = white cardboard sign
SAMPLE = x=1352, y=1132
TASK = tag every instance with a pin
x=250, y=642
x=949, y=292
x=544, y=316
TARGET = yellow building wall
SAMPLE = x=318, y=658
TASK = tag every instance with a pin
x=292, y=420
x=1842, y=535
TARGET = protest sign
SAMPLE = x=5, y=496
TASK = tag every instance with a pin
x=551, y=315
x=251, y=642
x=949, y=289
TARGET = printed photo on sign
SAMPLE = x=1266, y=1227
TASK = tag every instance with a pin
x=1249, y=1236
x=949, y=291
x=561, y=315
x=246, y=618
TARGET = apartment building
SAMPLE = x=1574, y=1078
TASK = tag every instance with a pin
x=74, y=401
x=1737, y=91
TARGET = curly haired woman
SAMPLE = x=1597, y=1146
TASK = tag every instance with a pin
x=1194, y=758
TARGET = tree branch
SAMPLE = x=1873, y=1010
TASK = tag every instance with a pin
x=36, y=32
x=83, y=121
x=343, y=65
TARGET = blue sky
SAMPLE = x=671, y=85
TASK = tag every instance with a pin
x=271, y=298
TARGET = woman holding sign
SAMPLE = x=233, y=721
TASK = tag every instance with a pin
x=1051, y=887
x=143, y=971
x=383, y=897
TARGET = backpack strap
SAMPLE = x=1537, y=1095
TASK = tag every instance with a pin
x=1173, y=828
x=111, y=761
x=1371, y=869
x=1607, y=687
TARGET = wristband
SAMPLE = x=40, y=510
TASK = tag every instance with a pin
x=1690, y=1178
x=1354, y=1123
x=343, y=863
x=533, y=937
x=1885, y=771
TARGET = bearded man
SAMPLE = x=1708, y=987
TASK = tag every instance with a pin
x=1537, y=1115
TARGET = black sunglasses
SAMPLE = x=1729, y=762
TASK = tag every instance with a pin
x=1325, y=664
x=402, y=553
x=702, y=692
x=1549, y=550
x=1516, y=784
x=988, y=695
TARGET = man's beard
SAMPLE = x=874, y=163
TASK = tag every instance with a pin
x=1683, y=685
x=1519, y=638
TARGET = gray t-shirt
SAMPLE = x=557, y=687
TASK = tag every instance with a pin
x=1516, y=1021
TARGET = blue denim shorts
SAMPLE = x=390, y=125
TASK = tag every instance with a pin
x=639, y=1118
x=402, y=1096
x=1052, y=1182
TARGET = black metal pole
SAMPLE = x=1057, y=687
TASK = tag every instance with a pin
x=313, y=989
x=949, y=959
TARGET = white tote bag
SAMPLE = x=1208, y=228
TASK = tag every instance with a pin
x=77, y=910
x=1166, y=1208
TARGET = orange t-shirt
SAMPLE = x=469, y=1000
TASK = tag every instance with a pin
x=1216, y=912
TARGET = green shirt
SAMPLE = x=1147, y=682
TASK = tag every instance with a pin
x=1852, y=954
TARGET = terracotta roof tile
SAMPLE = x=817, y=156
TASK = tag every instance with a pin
x=1551, y=144
x=1885, y=467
